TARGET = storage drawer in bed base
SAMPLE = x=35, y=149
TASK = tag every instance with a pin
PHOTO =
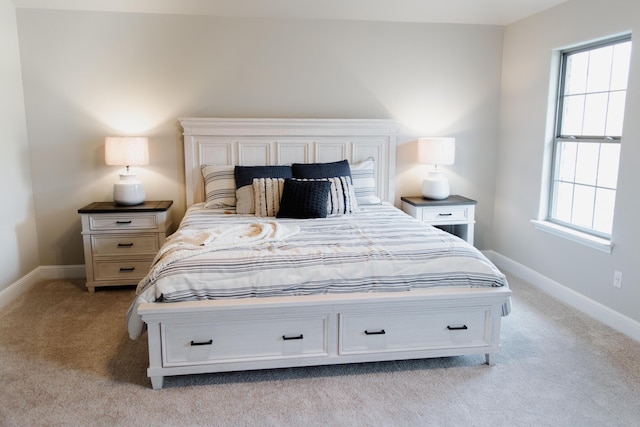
x=219, y=342
x=408, y=331
x=208, y=337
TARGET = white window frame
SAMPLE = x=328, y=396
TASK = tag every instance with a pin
x=584, y=235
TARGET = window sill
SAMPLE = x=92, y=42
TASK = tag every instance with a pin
x=594, y=242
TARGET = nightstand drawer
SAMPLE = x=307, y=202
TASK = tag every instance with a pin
x=124, y=244
x=123, y=222
x=445, y=213
x=121, y=270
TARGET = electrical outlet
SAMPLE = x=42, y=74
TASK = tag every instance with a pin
x=617, y=279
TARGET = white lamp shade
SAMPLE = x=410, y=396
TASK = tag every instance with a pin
x=437, y=151
x=126, y=150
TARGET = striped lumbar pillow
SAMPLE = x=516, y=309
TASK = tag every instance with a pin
x=267, y=193
x=342, y=198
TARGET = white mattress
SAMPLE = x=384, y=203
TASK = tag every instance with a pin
x=378, y=249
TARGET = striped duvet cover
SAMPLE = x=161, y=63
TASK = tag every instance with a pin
x=377, y=249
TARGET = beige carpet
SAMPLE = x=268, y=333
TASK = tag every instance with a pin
x=66, y=360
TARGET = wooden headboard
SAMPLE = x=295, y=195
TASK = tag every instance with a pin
x=252, y=142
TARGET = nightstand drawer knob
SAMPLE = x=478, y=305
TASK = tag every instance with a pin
x=125, y=245
x=123, y=222
x=445, y=214
x=127, y=269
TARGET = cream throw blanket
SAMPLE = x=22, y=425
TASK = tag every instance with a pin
x=187, y=243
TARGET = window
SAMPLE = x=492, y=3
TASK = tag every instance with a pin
x=591, y=102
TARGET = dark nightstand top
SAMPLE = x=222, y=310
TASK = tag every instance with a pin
x=111, y=207
x=449, y=201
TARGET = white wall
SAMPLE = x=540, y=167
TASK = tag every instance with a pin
x=527, y=71
x=89, y=74
x=17, y=217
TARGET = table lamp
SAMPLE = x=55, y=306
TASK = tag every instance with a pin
x=436, y=152
x=127, y=151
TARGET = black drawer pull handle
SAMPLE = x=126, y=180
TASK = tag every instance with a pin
x=125, y=245
x=445, y=214
x=286, y=338
x=380, y=332
x=127, y=269
x=195, y=343
x=457, y=328
x=123, y=222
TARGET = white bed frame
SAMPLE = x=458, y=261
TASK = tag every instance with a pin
x=259, y=333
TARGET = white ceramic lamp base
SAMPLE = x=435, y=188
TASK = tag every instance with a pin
x=436, y=186
x=129, y=190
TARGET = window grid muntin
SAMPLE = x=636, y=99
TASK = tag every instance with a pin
x=563, y=84
x=557, y=181
x=552, y=214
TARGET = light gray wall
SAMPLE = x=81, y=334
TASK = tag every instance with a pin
x=17, y=216
x=89, y=74
x=524, y=138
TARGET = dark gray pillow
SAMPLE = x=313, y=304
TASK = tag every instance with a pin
x=244, y=174
x=304, y=199
x=321, y=170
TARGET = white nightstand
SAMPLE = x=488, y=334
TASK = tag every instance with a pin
x=120, y=242
x=455, y=214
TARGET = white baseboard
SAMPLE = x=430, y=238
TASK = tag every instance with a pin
x=26, y=282
x=604, y=314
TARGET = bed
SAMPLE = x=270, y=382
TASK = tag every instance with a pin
x=345, y=279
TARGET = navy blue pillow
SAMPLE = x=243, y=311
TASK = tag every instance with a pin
x=304, y=199
x=244, y=174
x=321, y=170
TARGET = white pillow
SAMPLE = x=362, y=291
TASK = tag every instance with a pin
x=219, y=186
x=363, y=177
x=267, y=193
